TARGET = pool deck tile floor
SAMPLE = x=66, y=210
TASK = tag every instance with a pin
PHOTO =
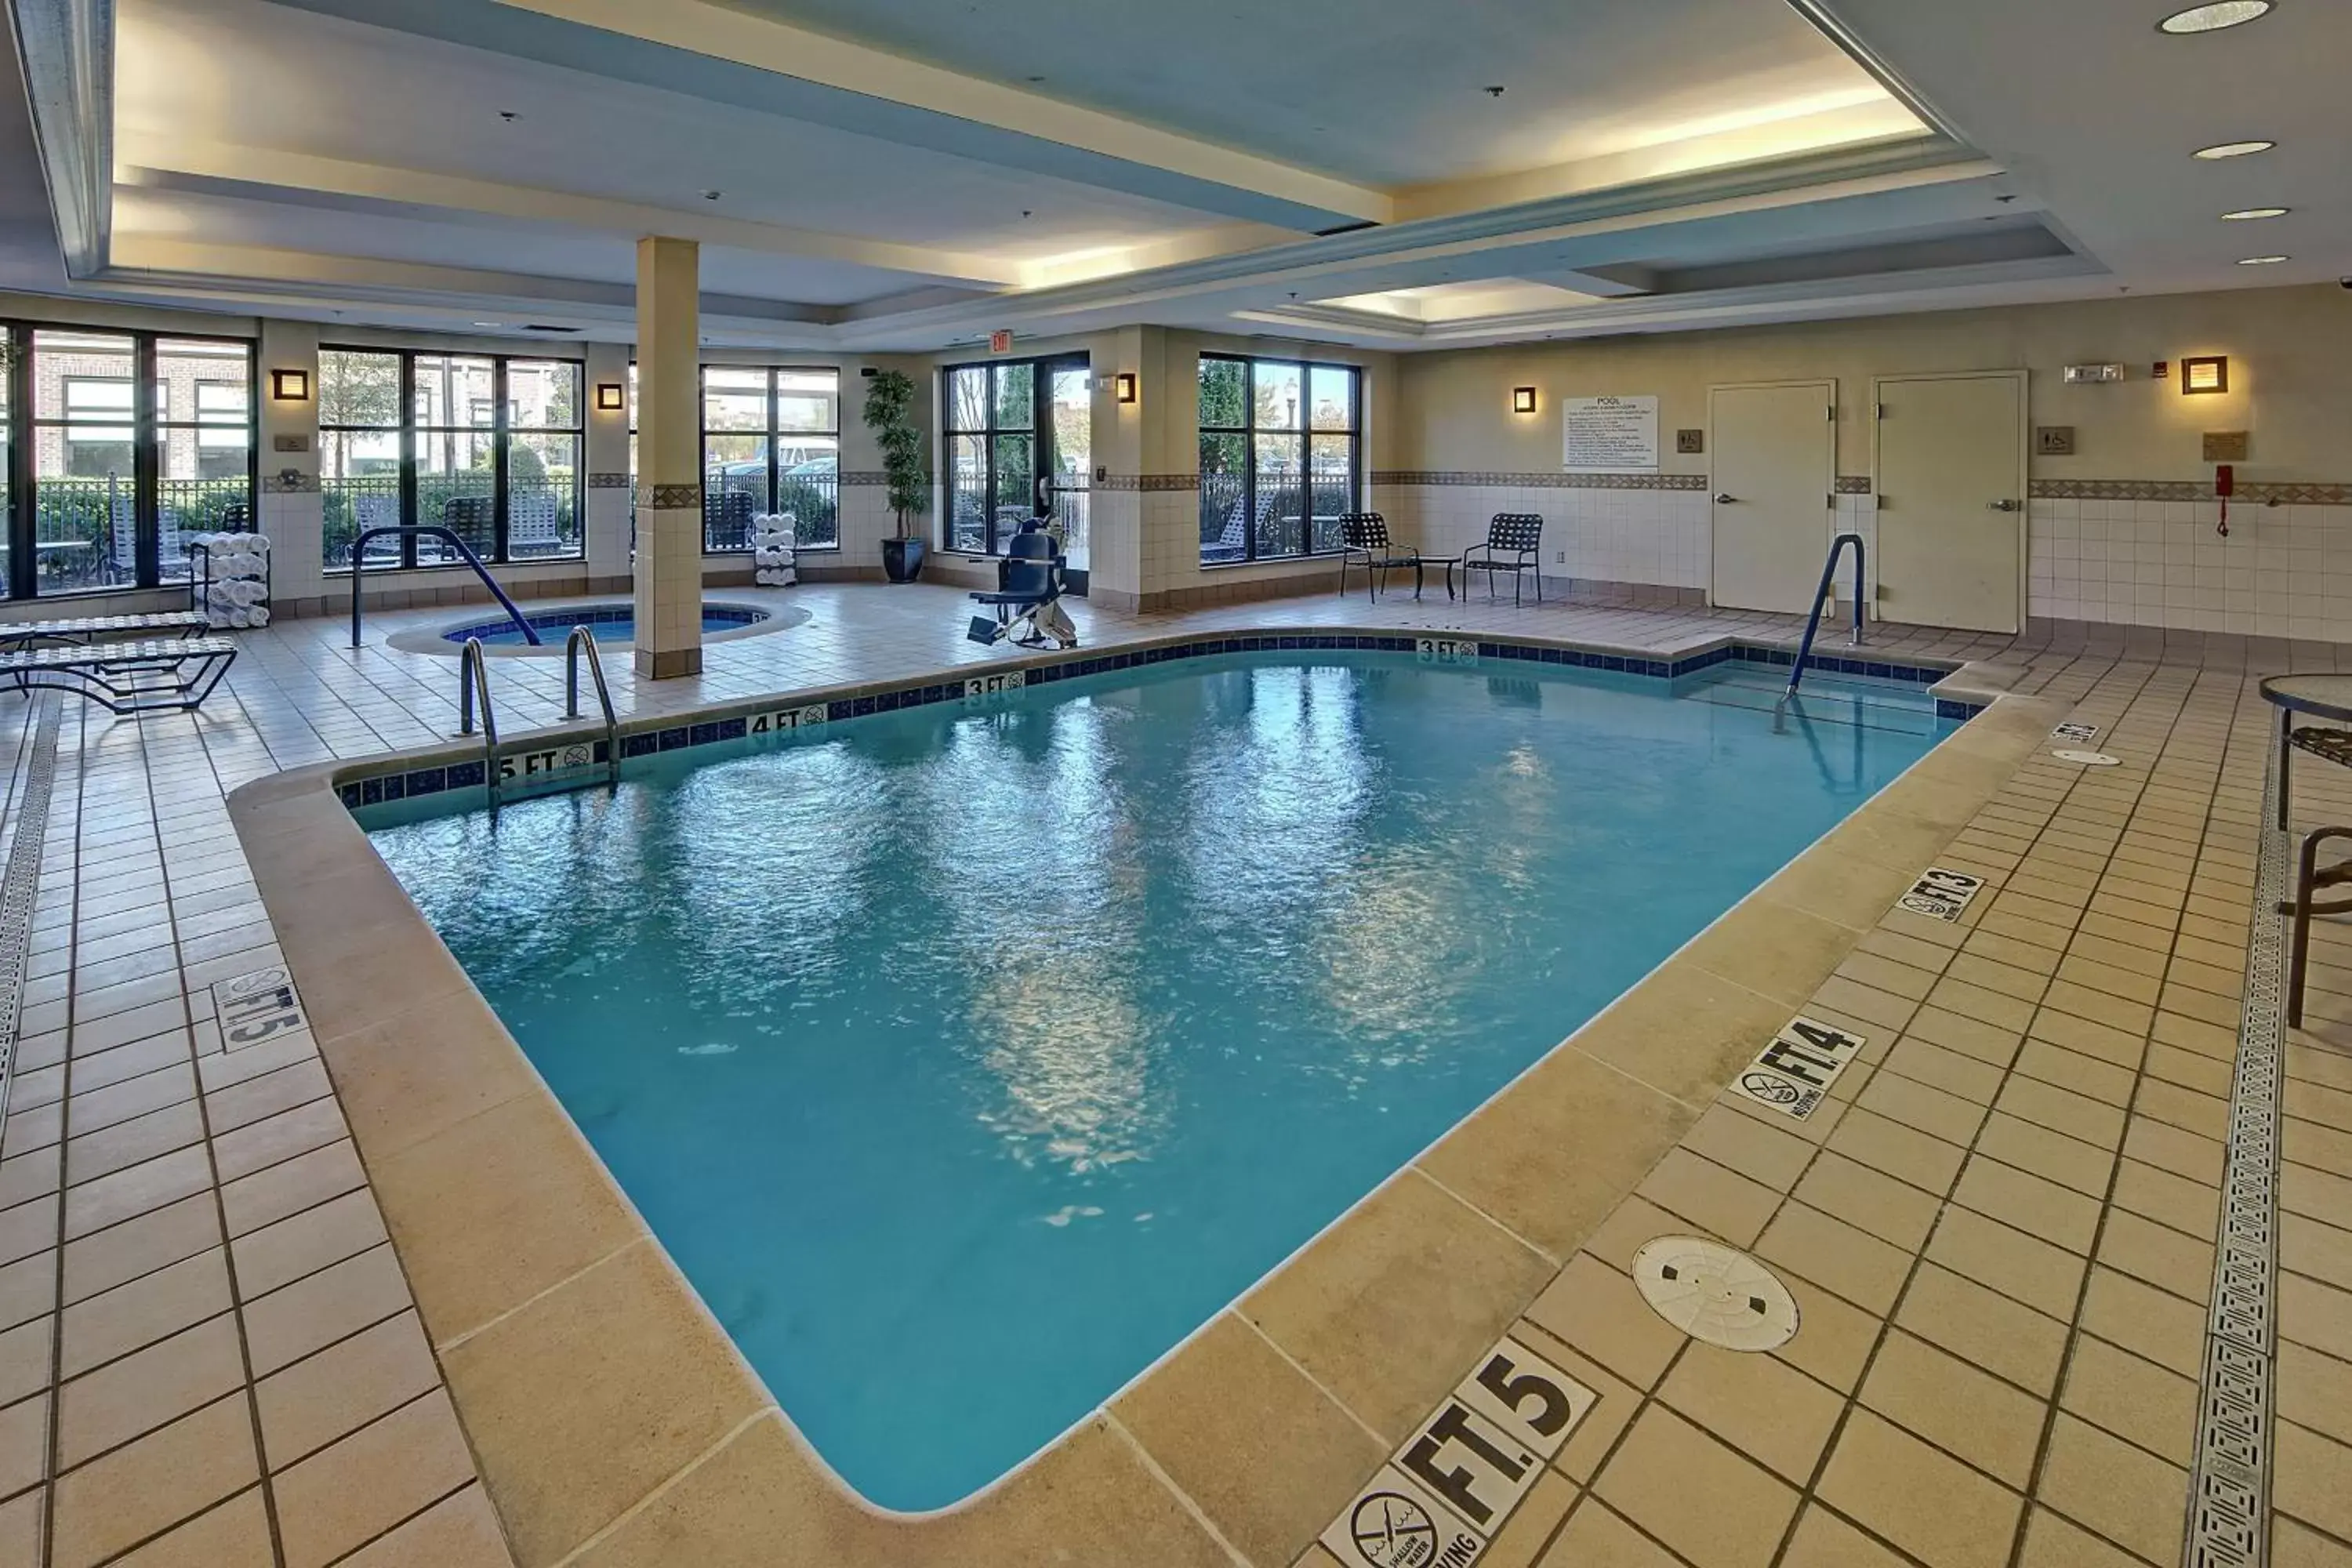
x=2001, y=1231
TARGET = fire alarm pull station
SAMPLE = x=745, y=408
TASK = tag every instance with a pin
x=2225, y=485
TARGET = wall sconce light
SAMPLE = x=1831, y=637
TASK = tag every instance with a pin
x=1523, y=400
x=2209, y=375
x=289, y=385
x=1123, y=386
x=610, y=399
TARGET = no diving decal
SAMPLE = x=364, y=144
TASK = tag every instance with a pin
x=1445, y=650
x=2075, y=733
x=1793, y=1074
x=1439, y=1500
x=1941, y=894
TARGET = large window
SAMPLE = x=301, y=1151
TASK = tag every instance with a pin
x=1281, y=456
x=770, y=443
x=1018, y=439
x=487, y=446
x=121, y=445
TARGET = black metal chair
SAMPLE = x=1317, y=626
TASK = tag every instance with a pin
x=1515, y=534
x=1364, y=541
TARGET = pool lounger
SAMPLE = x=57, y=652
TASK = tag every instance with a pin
x=23, y=635
x=152, y=677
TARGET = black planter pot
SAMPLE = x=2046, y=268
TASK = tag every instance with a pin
x=902, y=559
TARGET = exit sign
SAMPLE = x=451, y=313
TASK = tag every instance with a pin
x=1000, y=343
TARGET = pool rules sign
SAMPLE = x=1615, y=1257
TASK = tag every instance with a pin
x=1444, y=1496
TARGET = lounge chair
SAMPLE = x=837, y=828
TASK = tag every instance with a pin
x=23, y=635
x=154, y=677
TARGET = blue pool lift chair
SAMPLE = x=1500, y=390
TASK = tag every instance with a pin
x=1028, y=597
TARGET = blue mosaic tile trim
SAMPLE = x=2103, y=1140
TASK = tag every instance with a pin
x=561, y=622
x=434, y=781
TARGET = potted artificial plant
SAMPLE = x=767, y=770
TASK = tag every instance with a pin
x=889, y=396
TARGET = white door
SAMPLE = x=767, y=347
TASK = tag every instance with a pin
x=1775, y=474
x=1950, y=474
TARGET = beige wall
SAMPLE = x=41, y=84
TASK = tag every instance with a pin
x=2289, y=372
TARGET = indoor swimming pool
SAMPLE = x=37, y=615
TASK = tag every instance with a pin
x=968, y=1057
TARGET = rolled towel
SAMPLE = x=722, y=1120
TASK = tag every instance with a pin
x=258, y=615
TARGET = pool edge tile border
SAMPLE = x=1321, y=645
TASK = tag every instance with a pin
x=1960, y=691
x=309, y=890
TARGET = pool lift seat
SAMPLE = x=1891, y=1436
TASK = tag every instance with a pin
x=1028, y=596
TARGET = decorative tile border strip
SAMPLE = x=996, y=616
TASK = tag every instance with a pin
x=389, y=780
x=1553, y=481
x=1153, y=484
x=289, y=482
x=1856, y=484
x=608, y=481
x=670, y=497
x=19, y=883
x=869, y=477
x=2257, y=493
x=2229, y=1493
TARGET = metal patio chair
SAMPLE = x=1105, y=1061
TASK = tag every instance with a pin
x=1364, y=541
x=1514, y=543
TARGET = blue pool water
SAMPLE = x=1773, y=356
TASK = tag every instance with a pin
x=966, y=1060
x=618, y=623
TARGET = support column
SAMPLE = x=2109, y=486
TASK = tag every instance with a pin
x=605, y=497
x=289, y=511
x=669, y=460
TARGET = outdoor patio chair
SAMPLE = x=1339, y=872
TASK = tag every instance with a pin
x=1514, y=543
x=533, y=525
x=1364, y=541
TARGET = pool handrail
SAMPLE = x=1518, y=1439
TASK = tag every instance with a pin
x=1814, y=621
x=474, y=676
x=418, y=529
x=579, y=637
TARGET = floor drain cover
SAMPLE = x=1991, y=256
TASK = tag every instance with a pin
x=2087, y=759
x=1714, y=1294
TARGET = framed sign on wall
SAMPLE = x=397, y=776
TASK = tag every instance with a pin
x=1608, y=435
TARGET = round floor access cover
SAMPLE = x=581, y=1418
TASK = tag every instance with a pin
x=1715, y=1295
x=2087, y=759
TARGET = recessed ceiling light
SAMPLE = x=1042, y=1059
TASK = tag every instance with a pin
x=486, y=323
x=2263, y=260
x=2212, y=18
x=2235, y=148
x=2248, y=214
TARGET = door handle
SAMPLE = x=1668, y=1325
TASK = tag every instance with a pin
x=2001, y=506
x=1725, y=499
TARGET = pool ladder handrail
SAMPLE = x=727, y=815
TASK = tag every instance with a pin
x=474, y=678
x=1814, y=621
x=465, y=553
x=579, y=637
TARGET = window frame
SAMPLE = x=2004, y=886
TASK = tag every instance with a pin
x=772, y=435
x=1306, y=431
x=22, y=422
x=408, y=428
x=1037, y=432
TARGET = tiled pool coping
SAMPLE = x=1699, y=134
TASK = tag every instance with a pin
x=615, y=1422
x=375, y=781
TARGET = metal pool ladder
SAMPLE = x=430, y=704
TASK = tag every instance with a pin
x=582, y=637
x=1813, y=622
x=473, y=680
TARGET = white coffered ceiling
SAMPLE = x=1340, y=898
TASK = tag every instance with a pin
x=909, y=173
